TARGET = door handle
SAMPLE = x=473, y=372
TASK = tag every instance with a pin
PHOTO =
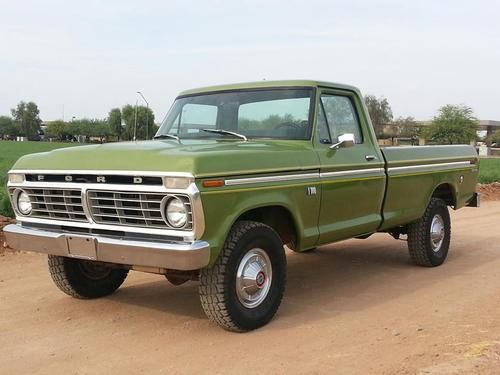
x=370, y=157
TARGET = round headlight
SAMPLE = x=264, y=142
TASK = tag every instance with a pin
x=23, y=203
x=177, y=214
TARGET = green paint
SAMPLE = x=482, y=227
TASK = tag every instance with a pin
x=343, y=206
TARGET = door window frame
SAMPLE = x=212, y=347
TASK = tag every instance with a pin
x=356, y=105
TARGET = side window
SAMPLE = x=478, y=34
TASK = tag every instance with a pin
x=194, y=117
x=341, y=117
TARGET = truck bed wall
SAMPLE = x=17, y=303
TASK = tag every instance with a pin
x=415, y=172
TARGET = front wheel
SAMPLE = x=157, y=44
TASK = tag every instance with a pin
x=429, y=237
x=243, y=290
x=85, y=279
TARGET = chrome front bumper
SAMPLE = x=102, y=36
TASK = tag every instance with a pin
x=183, y=256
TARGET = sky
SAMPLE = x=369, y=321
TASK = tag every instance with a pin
x=87, y=57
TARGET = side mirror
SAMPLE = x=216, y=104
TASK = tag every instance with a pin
x=344, y=141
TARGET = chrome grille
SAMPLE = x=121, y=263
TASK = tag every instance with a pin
x=141, y=209
x=59, y=204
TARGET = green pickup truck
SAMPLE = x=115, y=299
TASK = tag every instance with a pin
x=235, y=174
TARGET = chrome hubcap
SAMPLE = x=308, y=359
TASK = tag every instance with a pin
x=437, y=232
x=253, y=278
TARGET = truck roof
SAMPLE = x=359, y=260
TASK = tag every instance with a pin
x=264, y=84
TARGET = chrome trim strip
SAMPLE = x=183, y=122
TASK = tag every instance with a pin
x=436, y=166
x=85, y=205
x=165, y=254
x=351, y=172
x=94, y=186
x=276, y=178
x=419, y=147
x=198, y=215
x=302, y=176
x=103, y=171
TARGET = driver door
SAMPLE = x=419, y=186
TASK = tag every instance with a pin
x=352, y=175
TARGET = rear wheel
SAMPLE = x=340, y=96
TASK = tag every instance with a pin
x=244, y=288
x=429, y=237
x=85, y=279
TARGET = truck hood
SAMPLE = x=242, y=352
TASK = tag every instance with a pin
x=202, y=158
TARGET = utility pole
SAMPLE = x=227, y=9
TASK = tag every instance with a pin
x=135, y=122
x=147, y=114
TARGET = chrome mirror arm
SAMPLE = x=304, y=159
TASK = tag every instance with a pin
x=336, y=146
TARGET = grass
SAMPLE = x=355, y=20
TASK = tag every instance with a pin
x=489, y=170
x=11, y=151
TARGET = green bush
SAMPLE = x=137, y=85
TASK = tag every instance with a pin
x=5, y=207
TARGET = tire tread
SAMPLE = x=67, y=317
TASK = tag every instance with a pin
x=60, y=273
x=417, y=235
x=59, y=276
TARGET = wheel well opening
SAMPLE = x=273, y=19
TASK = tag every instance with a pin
x=446, y=193
x=278, y=218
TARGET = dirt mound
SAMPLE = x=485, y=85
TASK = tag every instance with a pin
x=489, y=192
x=3, y=222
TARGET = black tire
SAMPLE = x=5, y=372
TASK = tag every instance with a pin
x=218, y=284
x=84, y=279
x=424, y=251
x=307, y=251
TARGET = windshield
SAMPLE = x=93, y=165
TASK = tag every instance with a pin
x=273, y=113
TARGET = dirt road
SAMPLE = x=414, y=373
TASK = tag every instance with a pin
x=356, y=307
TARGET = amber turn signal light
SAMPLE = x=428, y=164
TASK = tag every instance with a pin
x=213, y=183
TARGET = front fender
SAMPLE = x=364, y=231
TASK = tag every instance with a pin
x=222, y=208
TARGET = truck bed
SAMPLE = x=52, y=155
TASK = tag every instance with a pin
x=414, y=172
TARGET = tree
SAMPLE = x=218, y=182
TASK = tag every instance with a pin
x=81, y=126
x=73, y=128
x=453, y=124
x=7, y=127
x=89, y=128
x=115, y=122
x=57, y=129
x=380, y=113
x=407, y=127
x=27, y=119
x=495, y=138
x=144, y=116
x=101, y=129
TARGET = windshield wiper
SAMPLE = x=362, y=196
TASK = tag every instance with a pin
x=163, y=136
x=226, y=132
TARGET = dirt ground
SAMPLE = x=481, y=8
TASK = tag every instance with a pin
x=489, y=191
x=355, y=307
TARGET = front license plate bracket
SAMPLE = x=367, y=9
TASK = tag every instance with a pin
x=82, y=247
